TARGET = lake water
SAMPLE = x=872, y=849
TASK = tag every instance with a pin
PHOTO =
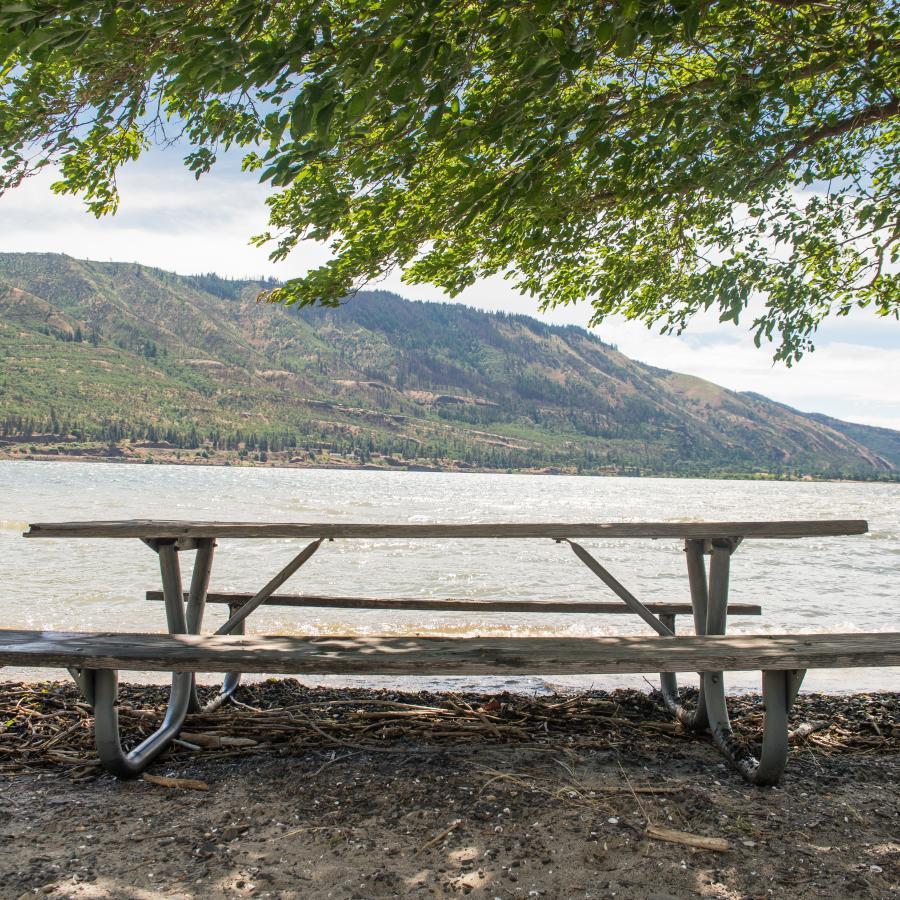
x=810, y=585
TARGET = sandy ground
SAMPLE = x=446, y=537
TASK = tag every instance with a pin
x=358, y=795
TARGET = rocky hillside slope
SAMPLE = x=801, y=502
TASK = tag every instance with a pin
x=120, y=358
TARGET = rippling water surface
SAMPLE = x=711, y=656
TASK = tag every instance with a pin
x=816, y=584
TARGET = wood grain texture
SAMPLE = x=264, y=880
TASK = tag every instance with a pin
x=158, y=529
x=446, y=656
x=452, y=605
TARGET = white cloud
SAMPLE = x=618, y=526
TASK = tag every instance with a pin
x=170, y=220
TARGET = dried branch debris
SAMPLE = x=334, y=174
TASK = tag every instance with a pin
x=48, y=725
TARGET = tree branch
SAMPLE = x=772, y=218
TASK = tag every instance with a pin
x=815, y=133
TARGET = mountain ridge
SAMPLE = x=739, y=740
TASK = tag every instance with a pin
x=123, y=357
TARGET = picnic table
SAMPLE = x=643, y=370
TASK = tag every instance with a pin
x=94, y=660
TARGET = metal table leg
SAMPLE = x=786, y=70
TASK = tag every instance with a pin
x=196, y=602
x=693, y=719
x=779, y=690
x=232, y=680
x=127, y=764
x=100, y=687
x=103, y=685
x=190, y=619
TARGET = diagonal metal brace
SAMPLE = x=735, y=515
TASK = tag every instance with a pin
x=618, y=588
x=259, y=598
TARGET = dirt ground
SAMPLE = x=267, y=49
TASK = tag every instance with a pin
x=315, y=793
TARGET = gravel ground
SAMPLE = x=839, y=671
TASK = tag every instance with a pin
x=314, y=793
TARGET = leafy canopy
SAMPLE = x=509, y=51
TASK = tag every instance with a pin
x=656, y=158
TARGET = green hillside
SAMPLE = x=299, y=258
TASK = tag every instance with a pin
x=116, y=358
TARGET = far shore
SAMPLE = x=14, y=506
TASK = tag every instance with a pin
x=142, y=455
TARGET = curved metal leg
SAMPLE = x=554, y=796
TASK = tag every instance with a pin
x=693, y=719
x=668, y=682
x=106, y=723
x=232, y=680
x=230, y=684
x=189, y=619
x=85, y=682
x=779, y=690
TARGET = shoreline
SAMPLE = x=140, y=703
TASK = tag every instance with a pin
x=230, y=459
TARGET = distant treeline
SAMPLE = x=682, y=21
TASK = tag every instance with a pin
x=363, y=448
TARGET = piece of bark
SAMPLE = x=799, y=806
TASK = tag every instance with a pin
x=806, y=729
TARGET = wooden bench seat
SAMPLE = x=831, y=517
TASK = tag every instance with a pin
x=456, y=605
x=446, y=656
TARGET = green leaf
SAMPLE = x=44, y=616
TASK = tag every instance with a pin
x=626, y=40
x=691, y=21
x=630, y=9
x=605, y=31
x=324, y=117
x=108, y=25
x=433, y=122
x=398, y=92
x=557, y=37
x=301, y=118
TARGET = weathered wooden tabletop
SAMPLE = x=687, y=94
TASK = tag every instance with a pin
x=167, y=529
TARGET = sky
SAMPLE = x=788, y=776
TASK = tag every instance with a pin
x=170, y=220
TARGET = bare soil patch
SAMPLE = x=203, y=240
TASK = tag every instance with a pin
x=316, y=793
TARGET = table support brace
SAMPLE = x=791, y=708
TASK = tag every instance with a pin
x=261, y=596
x=620, y=590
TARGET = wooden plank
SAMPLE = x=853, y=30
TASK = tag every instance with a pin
x=446, y=656
x=451, y=605
x=157, y=530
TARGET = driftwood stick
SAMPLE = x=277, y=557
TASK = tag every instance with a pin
x=440, y=836
x=804, y=730
x=188, y=784
x=658, y=833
